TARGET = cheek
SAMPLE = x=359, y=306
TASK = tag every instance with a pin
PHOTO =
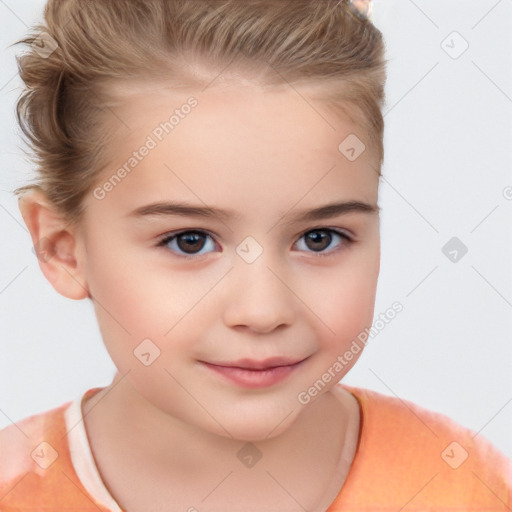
x=345, y=301
x=135, y=301
x=134, y=292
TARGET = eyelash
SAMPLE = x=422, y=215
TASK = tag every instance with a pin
x=167, y=238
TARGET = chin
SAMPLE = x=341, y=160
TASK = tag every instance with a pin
x=255, y=433
x=258, y=424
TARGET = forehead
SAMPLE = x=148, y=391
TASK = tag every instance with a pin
x=240, y=144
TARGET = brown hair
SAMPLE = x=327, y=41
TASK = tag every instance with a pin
x=101, y=43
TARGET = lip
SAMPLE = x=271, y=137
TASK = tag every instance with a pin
x=251, y=373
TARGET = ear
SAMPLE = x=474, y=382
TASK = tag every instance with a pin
x=56, y=245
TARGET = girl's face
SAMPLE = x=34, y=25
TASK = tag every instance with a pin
x=224, y=286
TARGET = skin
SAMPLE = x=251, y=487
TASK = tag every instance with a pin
x=266, y=154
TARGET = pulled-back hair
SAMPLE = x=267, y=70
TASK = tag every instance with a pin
x=100, y=43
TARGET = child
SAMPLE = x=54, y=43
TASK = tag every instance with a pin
x=209, y=176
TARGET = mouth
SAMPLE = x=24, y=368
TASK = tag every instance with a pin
x=251, y=373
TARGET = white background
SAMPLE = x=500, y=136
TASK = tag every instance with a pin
x=448, y=164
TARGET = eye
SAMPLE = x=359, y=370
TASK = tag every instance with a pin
x=320, y=239
x=195, y=243
x=189, y=243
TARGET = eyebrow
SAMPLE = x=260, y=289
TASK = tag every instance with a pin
x=181, y=209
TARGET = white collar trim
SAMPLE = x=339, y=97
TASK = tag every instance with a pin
x=82, y=458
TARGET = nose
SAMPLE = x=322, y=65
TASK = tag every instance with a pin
x=259, y=298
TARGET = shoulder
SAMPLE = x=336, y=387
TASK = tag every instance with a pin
x=410, y=447
x=35, y=464
x=20, y=440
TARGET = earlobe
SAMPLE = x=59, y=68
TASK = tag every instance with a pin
x=56, y=245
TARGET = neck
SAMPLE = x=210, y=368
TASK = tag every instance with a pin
x=136, y=434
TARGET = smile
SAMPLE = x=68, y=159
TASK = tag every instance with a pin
x=255, y=374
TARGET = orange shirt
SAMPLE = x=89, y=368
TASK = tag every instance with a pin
x=407, y=459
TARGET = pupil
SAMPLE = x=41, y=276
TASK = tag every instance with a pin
x=192, y=242
x=317, y=237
